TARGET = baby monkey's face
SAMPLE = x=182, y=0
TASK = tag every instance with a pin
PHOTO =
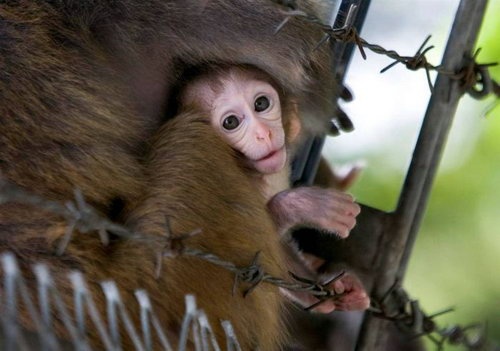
x=247, y=113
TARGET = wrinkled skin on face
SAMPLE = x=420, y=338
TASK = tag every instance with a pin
x=247, y=114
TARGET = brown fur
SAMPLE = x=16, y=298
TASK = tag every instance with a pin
x=242, y=228
x=84, y=85
x=189, y=203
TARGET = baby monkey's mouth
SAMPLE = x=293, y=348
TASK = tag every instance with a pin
x=270, y=155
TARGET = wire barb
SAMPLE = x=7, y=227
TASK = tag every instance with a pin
x=471, y=75
x=396, y=306
x=475, y=78
x=171, y=246
x=253, y=275
x=82, y=217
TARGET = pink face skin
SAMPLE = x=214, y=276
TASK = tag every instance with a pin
x=247, y=113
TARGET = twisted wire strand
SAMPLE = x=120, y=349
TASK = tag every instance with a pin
x=474, y=77
x=82, y=217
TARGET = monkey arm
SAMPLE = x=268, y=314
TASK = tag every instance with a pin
x=325, y=209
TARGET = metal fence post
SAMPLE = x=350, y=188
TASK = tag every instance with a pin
x=401, y=227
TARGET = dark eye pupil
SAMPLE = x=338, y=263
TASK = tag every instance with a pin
x=261, y=104
x=231, y=122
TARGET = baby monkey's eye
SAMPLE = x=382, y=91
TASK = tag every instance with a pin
x=262, y=103
x=230, y=122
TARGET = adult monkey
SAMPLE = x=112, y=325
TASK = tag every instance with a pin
x=84, y=85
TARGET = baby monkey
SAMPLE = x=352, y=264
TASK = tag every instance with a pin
x=251, y=113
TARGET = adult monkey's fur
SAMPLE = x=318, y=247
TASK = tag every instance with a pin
x=84, y=87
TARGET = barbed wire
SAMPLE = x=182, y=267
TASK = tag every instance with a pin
x=83, y=218
x=396, y=306
x=474, y=77
x=45, y=304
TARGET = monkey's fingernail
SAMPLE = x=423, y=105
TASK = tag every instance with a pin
x=344, y=121
x=338, y=287
x=334, y=130
x=346, y=94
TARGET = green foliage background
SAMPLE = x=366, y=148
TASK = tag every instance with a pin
x=456, y=261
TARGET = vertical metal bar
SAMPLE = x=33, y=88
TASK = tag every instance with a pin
x=305, y=164
x=189, y=316
x=399, y=235
x=10, y=304
x=343, y=52
x=311, y=153
x=145, y=306
x=231, y=338
x=441, y=111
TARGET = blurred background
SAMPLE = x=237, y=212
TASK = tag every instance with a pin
x=456, y=261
